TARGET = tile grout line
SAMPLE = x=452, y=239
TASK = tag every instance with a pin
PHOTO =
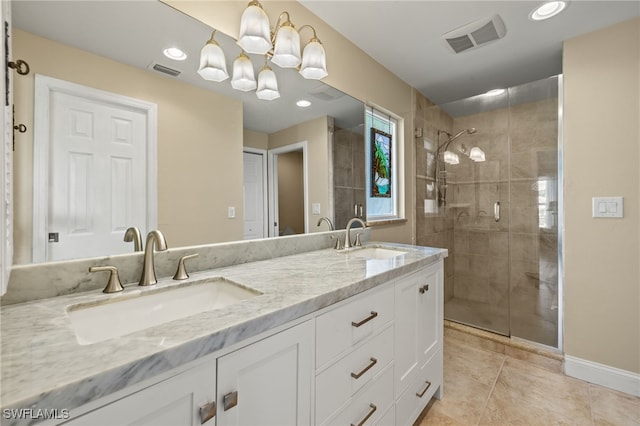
x=593, y=422
x=493, y=386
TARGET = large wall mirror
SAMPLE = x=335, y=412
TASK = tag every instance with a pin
x=201, y=132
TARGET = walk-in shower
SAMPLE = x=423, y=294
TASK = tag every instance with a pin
x=488, y=190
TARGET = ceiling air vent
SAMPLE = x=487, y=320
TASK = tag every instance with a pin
x=326, y=93
x=166, y=70
x=475, y=34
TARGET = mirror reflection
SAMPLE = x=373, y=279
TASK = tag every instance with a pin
x=207, y=169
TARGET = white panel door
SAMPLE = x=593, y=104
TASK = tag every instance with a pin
x=97, y=177
x=268, y=382
x=253, y=195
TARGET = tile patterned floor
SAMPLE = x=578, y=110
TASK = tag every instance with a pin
x=489, y=385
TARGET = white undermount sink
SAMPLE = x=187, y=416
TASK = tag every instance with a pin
x=375, y=253
x=95, y=322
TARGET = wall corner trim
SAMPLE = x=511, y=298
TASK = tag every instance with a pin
x=604, y=375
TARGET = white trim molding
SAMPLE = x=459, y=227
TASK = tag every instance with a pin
x=604, y=375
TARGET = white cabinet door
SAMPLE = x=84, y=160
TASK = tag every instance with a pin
x=268, y=382
x=417, y=322
x=407, y=318
x=175, y=401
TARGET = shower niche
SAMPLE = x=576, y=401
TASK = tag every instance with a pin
x=488, y=190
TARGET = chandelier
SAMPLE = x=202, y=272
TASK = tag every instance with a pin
x=281, y=45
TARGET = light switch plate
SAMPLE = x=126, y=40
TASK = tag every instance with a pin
x=607, y=207
x=315, y=208
x=231, y=212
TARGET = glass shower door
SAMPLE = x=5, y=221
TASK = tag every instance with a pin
x=533, y=116
x=504, y=206
x=477, y=202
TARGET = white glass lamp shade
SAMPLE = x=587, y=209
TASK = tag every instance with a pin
x=267, y=85
x=314, y=61
x=286, y=53
x=213, y=65
x=243, y=76
x=255, y=36
x=476, y=154
x=451, y=158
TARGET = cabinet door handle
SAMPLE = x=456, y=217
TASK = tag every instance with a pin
x=367, y=368
x=207, y=412
x=369, y=414
x=496, y=211
x=366, y=320
x=230, y=400
x=420, y=394
x=424, y=288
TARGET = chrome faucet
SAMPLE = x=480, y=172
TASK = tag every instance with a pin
x=347, y=238
x=325, y=219
x=133, y=234
x=154, y=239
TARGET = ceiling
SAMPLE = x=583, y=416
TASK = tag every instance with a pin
x=135, y=32
x=406, y=38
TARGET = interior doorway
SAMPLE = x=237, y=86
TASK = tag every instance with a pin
x=288, y=190
x=254, y=193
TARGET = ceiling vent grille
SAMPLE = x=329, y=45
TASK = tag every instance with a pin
x=166, y=70
x=326, y=93
x=476, y=34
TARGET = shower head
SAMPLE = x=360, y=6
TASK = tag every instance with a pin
x=451, y=138
x=460, y=133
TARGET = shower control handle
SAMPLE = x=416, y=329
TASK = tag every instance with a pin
x=496, y=211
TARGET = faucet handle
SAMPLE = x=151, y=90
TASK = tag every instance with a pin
x=358, y=242
x=114, y=285
x=181, y=273
x=338, y=245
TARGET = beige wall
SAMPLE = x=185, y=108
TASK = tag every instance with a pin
x=291, y=192
x=196, y=128
x=316, y=134
x=601, y=158
x=253, y=139
x=376, y=85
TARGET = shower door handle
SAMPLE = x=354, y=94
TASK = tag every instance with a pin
x=496, y=211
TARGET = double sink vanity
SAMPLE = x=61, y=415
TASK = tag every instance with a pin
x=281, y=331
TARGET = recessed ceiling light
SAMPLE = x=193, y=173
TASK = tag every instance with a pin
x=547, y=10
x=303, y=103
x=494, y=92
x=175, y=54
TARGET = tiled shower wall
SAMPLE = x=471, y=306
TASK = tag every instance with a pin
x=348, y=174
x=433, y=227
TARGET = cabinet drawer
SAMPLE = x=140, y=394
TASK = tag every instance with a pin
x=389, y=418
x=338, y=330
x=419, y=391
x=370, y=405
x=336, y=385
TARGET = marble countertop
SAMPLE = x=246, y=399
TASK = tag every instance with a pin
x=44, y=366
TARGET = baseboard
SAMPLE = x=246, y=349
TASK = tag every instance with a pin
x=604, y=375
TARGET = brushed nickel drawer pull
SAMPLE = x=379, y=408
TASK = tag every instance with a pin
x=420, y=394
x=207, y=412
x=424, y=288
x=366, y=320
x=230, y=400
x=367, y=368
x=369, y=414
